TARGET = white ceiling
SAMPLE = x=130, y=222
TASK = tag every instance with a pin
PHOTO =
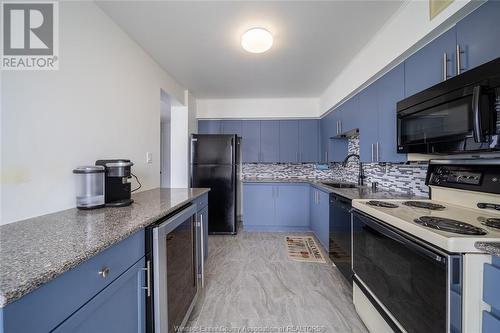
x=198, y=43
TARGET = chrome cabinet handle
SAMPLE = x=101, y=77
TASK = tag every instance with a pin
x=373, y=147
x=459, y=60
x=202, y=244
x=104, y=272
x=148, y=278
x=378, y=155
x=445, y=67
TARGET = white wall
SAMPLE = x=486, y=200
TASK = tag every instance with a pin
x=104, y=102
x=407, y=31
x=179, y=147
x=258, y=108
x=166, y=138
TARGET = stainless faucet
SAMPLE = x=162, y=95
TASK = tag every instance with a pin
x=361, y=175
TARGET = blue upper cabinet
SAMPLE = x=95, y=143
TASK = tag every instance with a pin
x=231, y=127
x=250, y=131
x=477, y=35
x=289, y=141
x=390, y=91
x=426, y=67
x=349, y=115
x=209, y=127
x=308, y=140
x=269, y=141
x=338, y=149
x=368, y=122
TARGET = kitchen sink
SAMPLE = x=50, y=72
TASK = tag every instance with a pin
x=339, y=185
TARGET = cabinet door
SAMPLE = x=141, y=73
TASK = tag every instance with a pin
x=477, y=35
x=320, y=216
x=425, y=68
x=324, y=139
x=390, y=88
x=292, y=206
x=231, y=127
x=258, y=204
x=308, y=140
x=209, y=127
x=350, y=114
x=269, y=141
x=202, y=217
x=368, y=122
x=339, y=148
x=119, y=308
x=250, y=132
x=289, y=141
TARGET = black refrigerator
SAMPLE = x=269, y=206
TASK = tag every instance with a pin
x=215, y=164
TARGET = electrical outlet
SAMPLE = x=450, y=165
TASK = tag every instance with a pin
x=149, y=158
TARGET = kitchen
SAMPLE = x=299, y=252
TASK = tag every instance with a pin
x=270, y=166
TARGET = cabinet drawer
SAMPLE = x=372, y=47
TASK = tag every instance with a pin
x=201, y=202
x=491, y=288
x=491, y=324
x=56, y=300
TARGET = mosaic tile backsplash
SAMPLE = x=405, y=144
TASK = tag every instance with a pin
x=402, y=178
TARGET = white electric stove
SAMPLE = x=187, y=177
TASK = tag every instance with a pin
x=415, y=264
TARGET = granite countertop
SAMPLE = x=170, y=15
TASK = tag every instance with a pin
x=36, y=250
x=359, y=192
x=492, y=248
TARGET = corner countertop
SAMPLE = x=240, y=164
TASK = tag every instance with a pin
x=360, y=192
x=492, y=248
x=37, y=250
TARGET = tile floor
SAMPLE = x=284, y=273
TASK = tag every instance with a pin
x=251, y=283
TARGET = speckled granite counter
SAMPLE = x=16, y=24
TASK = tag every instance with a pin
x=36, y=250
x=491, y=248
x=349, y=193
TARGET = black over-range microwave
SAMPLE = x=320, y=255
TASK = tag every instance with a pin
x=459, y=115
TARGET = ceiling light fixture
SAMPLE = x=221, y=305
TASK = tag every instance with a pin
x=256, y=40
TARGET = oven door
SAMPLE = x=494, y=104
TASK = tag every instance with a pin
x=419, y=286
x=455, y=122
x=175, y=276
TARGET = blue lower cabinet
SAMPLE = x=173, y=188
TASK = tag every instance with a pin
x=319, y=212
x=491, y=296
x=209, y=127
x=119, y=308
x=275, y=207
x=202, y=217
x=56, y=300
x=292, y=206
x=491, y=323
x=258, y=205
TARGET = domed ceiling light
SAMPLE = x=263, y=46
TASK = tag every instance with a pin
x=257, y=40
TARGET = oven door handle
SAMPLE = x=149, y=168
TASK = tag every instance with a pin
x=408, y=241
x=476, y=111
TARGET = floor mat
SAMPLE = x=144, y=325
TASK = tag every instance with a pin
x=303, y=248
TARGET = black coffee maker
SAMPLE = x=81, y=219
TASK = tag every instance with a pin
x=118, y=176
